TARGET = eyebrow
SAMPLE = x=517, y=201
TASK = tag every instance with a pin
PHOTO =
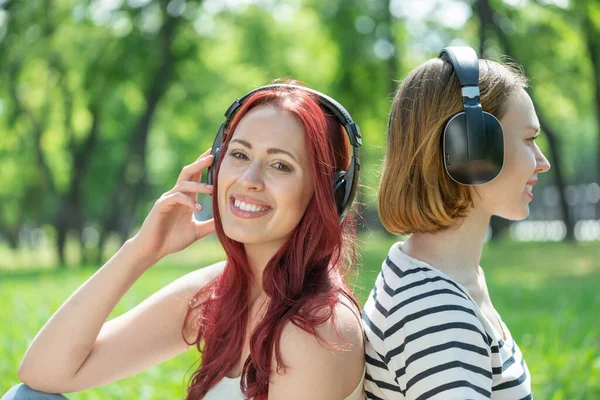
x=535, y=128
x=272, y=150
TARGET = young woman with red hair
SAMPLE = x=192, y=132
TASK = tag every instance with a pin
x=275, y=319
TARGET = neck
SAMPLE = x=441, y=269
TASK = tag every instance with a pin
x=456, y=251
x=259, y=255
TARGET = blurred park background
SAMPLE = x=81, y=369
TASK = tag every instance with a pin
x=102, y=102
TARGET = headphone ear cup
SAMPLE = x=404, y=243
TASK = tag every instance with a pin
x=216, y=147
x=210, y=172
x=455, y=156
x=339, y=190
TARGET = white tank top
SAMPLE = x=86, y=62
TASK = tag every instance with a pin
x=229, y=389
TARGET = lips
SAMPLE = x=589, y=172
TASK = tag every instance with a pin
x=529, y=187
x=247, y=207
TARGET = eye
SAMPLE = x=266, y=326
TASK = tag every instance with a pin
x=532, y=139
x=281, y=166
x=238, y=154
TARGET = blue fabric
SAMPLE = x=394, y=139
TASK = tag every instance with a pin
x=24, y=392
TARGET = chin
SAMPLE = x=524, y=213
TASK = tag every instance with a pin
x=241, y=236
x=515, y=215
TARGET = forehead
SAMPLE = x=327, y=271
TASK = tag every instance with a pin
x=520, y=113
x=268, y=126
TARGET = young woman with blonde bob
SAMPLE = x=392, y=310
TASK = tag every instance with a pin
x=432, y=330
x=274, y=320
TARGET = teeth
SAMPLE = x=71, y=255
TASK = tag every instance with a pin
x=248, y=207
x=529, y=188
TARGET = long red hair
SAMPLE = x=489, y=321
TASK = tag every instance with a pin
x=303, y=280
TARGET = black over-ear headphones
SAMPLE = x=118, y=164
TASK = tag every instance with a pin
x=473, y=140
x=345, y=182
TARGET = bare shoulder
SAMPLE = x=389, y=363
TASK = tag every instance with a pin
x=343, y=329
x=328, y=367
x=347, y=321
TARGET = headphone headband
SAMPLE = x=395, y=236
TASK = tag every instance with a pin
x=466, y=65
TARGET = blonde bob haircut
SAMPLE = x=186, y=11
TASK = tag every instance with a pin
x=415, y=194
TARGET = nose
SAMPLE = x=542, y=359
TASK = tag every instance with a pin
x=251, y=178
x=542, y=163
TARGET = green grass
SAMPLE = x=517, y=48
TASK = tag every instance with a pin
x=548, y=294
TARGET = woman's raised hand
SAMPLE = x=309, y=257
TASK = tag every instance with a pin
x=170, y=226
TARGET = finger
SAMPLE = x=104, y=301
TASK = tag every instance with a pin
x=196, y=177
x=207, y=152
x=168, y=201
x=188, y=172
x=187, y=188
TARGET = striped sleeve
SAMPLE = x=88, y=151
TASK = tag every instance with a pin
x=425, y=340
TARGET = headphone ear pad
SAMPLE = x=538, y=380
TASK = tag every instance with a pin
x=339, y=190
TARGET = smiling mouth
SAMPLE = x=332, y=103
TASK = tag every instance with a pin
x=528, y=191
x=247, y=210
x=248, y=207
x=529, y=187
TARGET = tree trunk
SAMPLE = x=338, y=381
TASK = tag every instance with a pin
x=483, y=25
x=12, y=235
x=108, y=225
x=592, y=42
x=61, y=240
x=394, y=61
x=125, y=197
x=558, y=175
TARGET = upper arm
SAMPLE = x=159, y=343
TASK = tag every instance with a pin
x=145, y=336
x=315, y=371
x=437, y=344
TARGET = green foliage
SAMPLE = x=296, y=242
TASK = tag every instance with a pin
x=549, y=42
x=67, y=64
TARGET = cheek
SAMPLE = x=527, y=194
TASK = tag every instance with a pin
x=521, y=162
x=519, y=166
x=224, y=181
x=519, y=159
x=308, y=190
x=295, y=194
x=289, y=193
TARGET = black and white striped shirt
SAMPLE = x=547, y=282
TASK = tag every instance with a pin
x=427, y=339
